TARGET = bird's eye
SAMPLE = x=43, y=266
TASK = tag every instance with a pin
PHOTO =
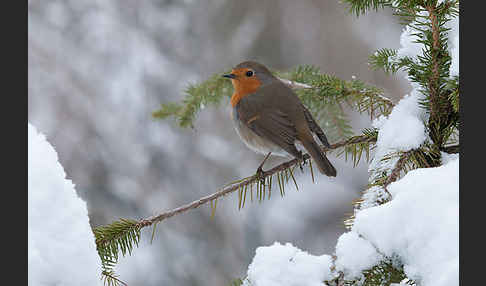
x=249, y=73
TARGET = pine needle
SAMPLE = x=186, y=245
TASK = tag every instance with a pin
x=213, y=211
x=312, y=171
x=280, y=185
x=244, y=195
x=153, y=233
x=295, y=182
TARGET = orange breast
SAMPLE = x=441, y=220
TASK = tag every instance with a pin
x=243, y=86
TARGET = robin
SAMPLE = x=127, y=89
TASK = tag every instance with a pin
x=271, y=119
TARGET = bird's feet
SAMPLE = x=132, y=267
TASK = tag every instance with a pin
x=260, y=174
x=302, y=161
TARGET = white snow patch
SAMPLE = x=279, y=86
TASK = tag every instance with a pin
x=446, y=157
x=372, y=196
x=409, y=47
x=420, y=224
x=355, y=254
x=402, y=130
x=286, y=265
x=454, y=46
x=61, y=245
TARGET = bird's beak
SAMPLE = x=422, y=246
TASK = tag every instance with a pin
x=232, y=76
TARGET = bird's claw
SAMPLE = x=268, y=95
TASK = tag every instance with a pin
x=302, y=162
x=260, y=175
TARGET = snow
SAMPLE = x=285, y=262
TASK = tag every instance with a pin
x=61, y=245
x=454, y=46
x=372, y=196
x=420, y=224
x=355, y=254
x=418, y=227
x=408, y=116
x=286, y=265
x=446, y=157
x=409, y=48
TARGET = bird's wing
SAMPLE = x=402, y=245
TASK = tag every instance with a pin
x=271, y=124
x=314, y=127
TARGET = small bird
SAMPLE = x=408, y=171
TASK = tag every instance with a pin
x=271, y=119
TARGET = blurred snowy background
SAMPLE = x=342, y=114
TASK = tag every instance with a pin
x=98, y=69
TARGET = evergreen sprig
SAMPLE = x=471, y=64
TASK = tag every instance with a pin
x=430, y=70
x=387, y=60
x=355, y=151
x=384, y=273
x=198, y=96
x=328, y=94
x=325, y=97
x=453, y=87
x=360, y=7
x=120, y=236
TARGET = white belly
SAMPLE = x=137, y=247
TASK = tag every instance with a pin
x=255, y=142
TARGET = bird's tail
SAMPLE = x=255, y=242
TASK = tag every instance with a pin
x=323, y=164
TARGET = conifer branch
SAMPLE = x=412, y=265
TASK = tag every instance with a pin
x=111, y=279
x=322, y=94
x=122, y=235
x=434, y=78
x=248, y=181
x=425, y=156
x=395, y=173
x=453, y=149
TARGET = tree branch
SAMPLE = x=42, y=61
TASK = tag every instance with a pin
x=396, y=171
x=452, y=149
x=433, y=82
x=250, y=180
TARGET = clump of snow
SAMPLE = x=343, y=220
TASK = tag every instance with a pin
x=409, y=48
x=418, y=227
x=446, y=157
x=355, y=254
x=402, y=130
x=286, y=265
x=407, y=115
x=420, y=224
x=372, y=197
x=61, y=245
x=408, y=41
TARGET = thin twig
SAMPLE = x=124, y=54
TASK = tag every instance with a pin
x=396, y=171
x=248, y=181
x=452, y=149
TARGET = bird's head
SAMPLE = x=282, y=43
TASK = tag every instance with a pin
x=247, y=77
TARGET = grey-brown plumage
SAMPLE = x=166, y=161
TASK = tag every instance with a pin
x=273, y=119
